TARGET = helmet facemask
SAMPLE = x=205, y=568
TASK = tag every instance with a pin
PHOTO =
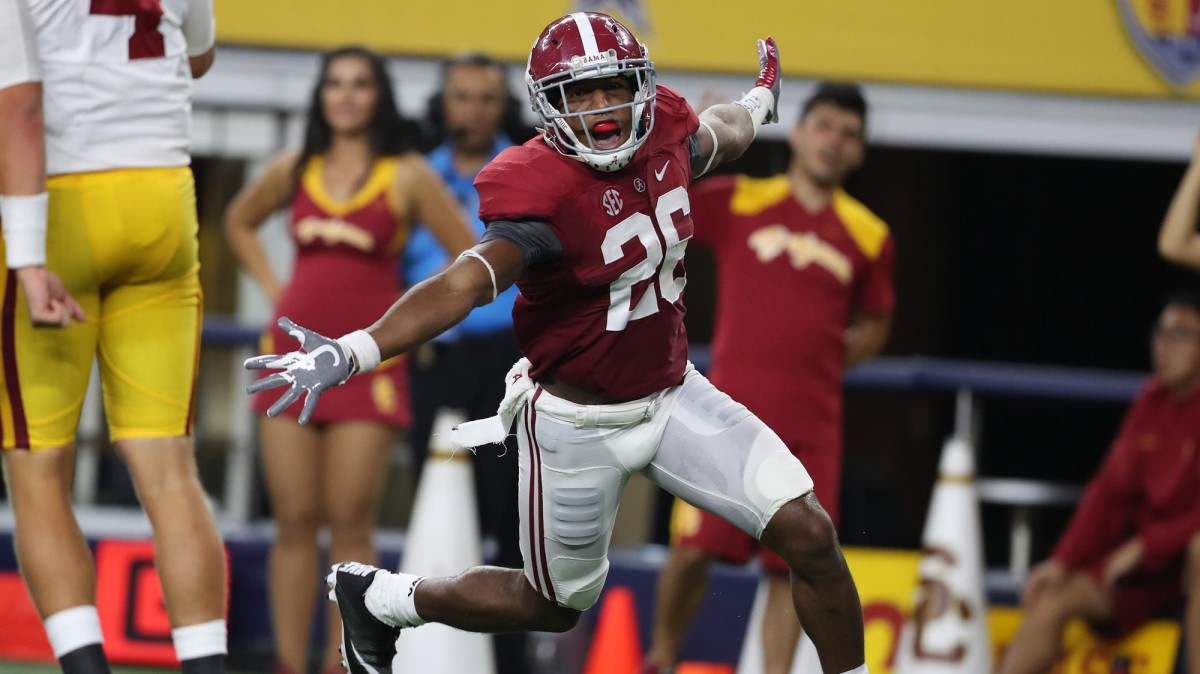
x=549, y=95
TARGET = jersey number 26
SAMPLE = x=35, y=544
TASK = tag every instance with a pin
x=664, y=250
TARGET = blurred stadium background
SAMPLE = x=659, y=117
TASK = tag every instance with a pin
x=1023, y=154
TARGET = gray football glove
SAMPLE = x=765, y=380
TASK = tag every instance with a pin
x=321, y=364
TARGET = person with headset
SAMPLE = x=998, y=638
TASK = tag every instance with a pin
x=470, y=120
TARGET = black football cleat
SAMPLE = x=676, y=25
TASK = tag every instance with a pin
x=368, y=644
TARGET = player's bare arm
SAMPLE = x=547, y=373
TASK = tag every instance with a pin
x=248, y=210
x=23, y=206
x=432, y=204
x=1178, y=240
x=425, y=311
x=23, y=161
x=866, y=337
x=727, y=129
x=444, y=300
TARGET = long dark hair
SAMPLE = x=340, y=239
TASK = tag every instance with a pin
x=388, y=132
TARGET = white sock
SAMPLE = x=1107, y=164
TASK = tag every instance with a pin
x=73, y=629
x=861, y=669
x=391, y=599
x=200, y=640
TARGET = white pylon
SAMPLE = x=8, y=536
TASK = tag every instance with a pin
x=948, y=631
x=443, y=540
x=750, y=661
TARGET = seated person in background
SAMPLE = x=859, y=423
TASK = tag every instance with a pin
x=1132, y=549
x=1178, y=240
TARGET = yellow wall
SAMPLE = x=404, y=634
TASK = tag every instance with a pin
x=1067, y=46
x=886, y=581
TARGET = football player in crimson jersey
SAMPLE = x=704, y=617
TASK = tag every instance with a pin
x=591, y=221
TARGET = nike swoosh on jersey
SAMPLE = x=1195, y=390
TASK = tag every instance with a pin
x=658, y=175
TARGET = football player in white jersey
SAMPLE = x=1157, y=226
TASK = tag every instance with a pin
x=107, y=252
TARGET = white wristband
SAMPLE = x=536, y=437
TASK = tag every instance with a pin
x=363, y=347
x=24, y=221
x=759, y=102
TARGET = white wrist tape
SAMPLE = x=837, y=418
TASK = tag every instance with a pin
x=363, y=347
x=759, y=102
x=491, y=272
x=24, y=222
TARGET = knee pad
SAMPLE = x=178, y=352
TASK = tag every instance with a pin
x=578, y=582
x=577, y=522
x=777, y=476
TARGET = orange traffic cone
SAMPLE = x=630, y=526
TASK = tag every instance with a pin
x=703, y=668
x=616, y=646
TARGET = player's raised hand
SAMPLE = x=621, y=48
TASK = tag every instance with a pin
x=769, y=74
x=321, y=364
x=49, y=303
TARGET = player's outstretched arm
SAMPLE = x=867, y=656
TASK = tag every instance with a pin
x=425, y=311
x=1178, y=240
x=727, y=129
x=442, y=301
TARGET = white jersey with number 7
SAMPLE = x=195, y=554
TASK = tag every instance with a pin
x=116, y=79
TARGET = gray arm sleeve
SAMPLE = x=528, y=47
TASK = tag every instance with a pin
x=698, y=162
x=536, y=240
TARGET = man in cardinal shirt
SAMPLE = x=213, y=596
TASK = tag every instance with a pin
x=1132, y=548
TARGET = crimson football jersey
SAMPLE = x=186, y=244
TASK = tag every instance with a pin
x=608, y=315
x=788, y=284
